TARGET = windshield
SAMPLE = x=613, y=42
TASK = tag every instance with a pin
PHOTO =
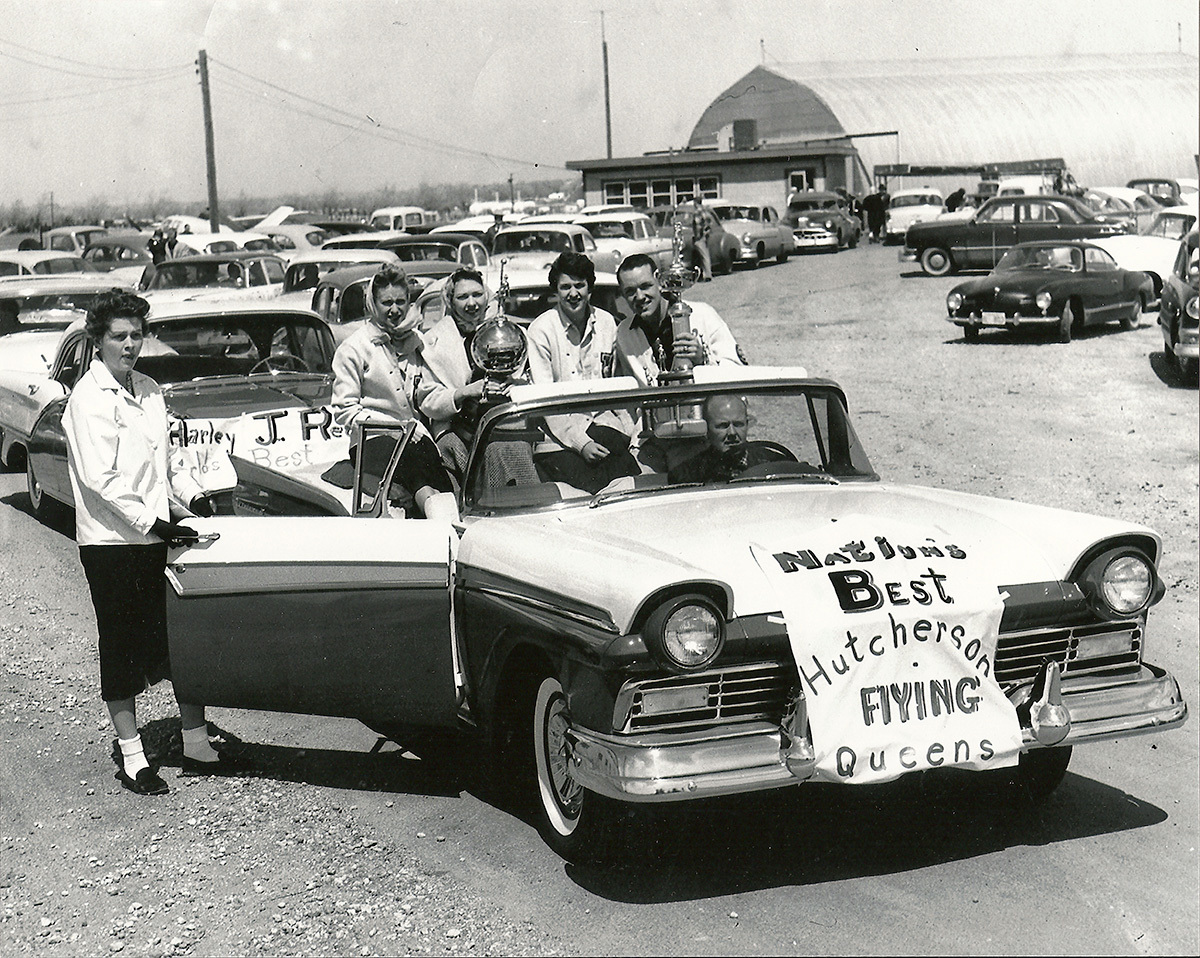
x=44, y=310
x=1173, y=226
x=531, y=241
x=925, y=199
x=64, y=264
x=1067, y=258
x=426, y=252
x=196, y=348
x=810, y=206
x=717, y=435
x=726, y=213
x=187, y=274
x=611, y=230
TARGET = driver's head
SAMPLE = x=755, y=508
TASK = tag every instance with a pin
x=727, y=421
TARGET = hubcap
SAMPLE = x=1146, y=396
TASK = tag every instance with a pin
x=567, y=793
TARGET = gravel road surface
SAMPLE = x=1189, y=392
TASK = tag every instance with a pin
x=337, y=846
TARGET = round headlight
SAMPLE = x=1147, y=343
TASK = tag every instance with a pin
x=687, y=632
x=1193, y=310
x=1127, y=583
x=1043, y=300
x=954, y=301
x=746, y=238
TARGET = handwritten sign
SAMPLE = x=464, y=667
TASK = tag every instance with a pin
x=894, y=644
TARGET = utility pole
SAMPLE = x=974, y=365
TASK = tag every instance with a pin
x=512, y=197
x=607, y=99
x=214, y=216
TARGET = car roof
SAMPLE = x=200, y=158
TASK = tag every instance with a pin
x=232, y=307
x=611, y=217
x=352, y=257
x=542, y=227
x=59, y=230
x=412, y=239
x=374, y=235
x=233, y=255
x=48, y=285
x=348, y=276
x=922, y=191
x=27, y=256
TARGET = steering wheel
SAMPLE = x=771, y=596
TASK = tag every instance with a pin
x=780, y=461
x=282, y=362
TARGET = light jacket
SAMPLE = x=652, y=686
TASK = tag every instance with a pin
x=636, y=356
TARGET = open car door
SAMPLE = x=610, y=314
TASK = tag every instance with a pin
x=316, y=615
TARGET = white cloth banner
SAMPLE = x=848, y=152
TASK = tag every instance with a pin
x=895, y=643
x=291, y=441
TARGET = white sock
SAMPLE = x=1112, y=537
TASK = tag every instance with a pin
x=133, y=758
x=196, y=745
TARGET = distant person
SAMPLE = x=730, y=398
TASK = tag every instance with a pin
x=646, y=342
x=576, y=340
x=955, y=200
x=157, y=246
x=700, y=233
x=123, y=482
x=876, y=205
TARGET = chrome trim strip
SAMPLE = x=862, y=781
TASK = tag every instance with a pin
x=604, y=625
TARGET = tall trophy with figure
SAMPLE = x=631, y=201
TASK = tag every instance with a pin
x=674, y=281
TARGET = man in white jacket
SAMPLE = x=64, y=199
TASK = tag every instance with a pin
x=646, y=344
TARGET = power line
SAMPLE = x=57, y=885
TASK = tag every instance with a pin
x=411, y=139
x=129, y=72
x=75, y=94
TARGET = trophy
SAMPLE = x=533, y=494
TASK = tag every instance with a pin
x=499, y=348
x=673, y=281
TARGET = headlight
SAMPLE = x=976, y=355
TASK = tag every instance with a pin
x=1043, y=300
x=954, y=301
x=1121, y=582
x=746, y=238
x=686, y=632
x=1193, y=310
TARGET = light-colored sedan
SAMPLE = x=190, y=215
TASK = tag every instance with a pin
x=41, y=262
x=1153, y=250
x=623, y=234
x=760, y=233
x=912, y=206
x=1137, y=206
x=538, y=245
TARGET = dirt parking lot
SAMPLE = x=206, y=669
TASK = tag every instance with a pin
x=332, y=850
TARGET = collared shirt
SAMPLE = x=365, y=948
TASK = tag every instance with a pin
x=560, y=352
x=122, y=473
x=373, y=380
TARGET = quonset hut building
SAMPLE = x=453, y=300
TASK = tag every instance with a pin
x=824, y=125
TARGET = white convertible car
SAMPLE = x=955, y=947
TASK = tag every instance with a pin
x=749, y=613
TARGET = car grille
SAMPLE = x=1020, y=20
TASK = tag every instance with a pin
x=735, y=694
x=1019, y=655
x=760, y=692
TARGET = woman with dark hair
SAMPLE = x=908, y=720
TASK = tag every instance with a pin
x=377, y=371
x=122, y=479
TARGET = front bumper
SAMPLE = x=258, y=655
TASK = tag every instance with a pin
x=1002, y=320
x=908, y=255
x=751, y=756
x=1187, y=347
x=815, y=239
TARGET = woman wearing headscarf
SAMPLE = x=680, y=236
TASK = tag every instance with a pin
x=377, y=373
x=455, y=391
x=123, y=480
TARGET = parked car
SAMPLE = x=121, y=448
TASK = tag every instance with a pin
x=1164, y=189
x=623, y=234
x=240, y=274
x=1061, y=285
x=305, y=270
x=1178, y=311
x=538, y=245
x=206, y=244
x=1153, y=250
x=342, y=297
x=665, y=641
x=33, y=313
x=946, y=246
x=73, y=239
x=912, y=206
x=434, y=255
x=723, y=247
x=366, y=239
x=215, y=362
x=291, y=239
x=1136, y=207
x=123, y=256
x=760, y=232
x=41, y=262
x=822, y=220
x=410, y=218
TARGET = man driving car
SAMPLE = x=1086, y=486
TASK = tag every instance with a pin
x=727, y=453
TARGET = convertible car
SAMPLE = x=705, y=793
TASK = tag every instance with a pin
x=945, y=246
x=244, y=382
x=728, y=619
x=1065, y=286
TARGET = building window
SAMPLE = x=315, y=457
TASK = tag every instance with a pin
x=685, y=190
x=710, y=187
x=639, y=194
x=614, y=193
x=661, y=193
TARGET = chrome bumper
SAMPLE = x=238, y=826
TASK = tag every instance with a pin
x=669, y=767
x=907, y=255
x=1187, y=350
x=1001, y=322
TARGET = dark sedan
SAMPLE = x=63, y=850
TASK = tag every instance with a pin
x=948, y=245
x=1179, y=311
x=1064, y=285
x=434, y=255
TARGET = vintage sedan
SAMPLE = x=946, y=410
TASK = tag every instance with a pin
x=782, y=617
x=233, y=375
x=293, y=239
x=723, y=247
x=822, y=221
x=123, y=256
x=1063, y=286
x=908, y=207
x=623, y=234
x=73, y=239
x=41, y=262
x=758, y=229
x=305, y=270
x=1153, y=249
x=946, y=246
x=537, y=245
x=1164, y=189
x=436, y=255
x=237, y=274
x=1136, y=207
x=1179, y=313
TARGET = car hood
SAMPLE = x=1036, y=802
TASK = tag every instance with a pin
x=227, y=397
x=1019, y=280
x=30, y=351
x=1154, y=254
x=616, y=555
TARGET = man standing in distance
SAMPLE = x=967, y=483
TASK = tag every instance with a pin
x=574, y=341
x=646, y=342
x=700, y=233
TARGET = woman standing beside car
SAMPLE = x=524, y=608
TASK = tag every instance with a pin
x=117, y=453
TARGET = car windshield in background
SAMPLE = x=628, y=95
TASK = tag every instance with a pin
x=796, y=435
x=426, y=252
x=810, y=206
x=1067, y=258
x=536, y=241
x=63, y=264
x=902, y=201
x=737, y=212
x=44, y=310
x=182, y=274
x=1172, y=226
x=197, y=348
x=307, y=275
x=611, y=230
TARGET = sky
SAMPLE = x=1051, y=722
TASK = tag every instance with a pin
x=100, y=99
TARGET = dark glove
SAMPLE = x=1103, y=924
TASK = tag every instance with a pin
x=174, y=535
x=201, y=506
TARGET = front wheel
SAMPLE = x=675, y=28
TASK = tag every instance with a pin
x=935, y=261
x=40, y=503
x=1134, y=319
x=1040, y=771
x=580, y=825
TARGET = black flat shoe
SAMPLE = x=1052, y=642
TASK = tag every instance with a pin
x=146, y=782
x=224, y=765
